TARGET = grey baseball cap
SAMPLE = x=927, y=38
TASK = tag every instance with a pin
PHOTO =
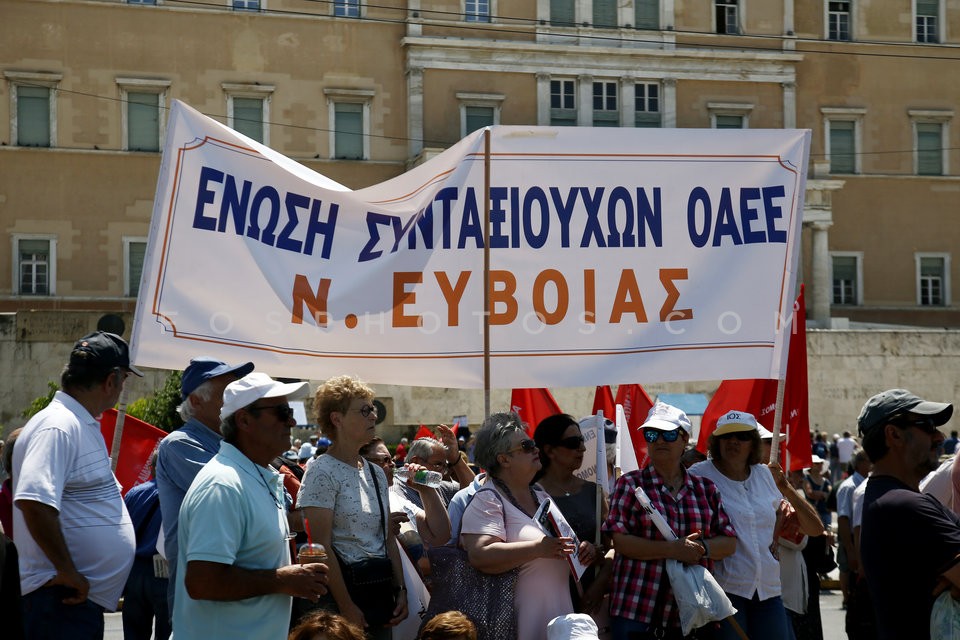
x=883, y=406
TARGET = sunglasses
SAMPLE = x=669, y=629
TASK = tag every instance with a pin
x=573, y=442
x=924, y=424
x=742, y=436
x=527, y=446
x=652, y=435
x=284, y=412
x=367, y=409
x=383, y=461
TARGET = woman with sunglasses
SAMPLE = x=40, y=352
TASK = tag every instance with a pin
x=499, y=533
x=346, y=505
x=642, y=604
x=561, y=454
x=756, y=496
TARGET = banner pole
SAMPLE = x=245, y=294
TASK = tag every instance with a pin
x=777, y=418
x=118, y=429
x=486, y=272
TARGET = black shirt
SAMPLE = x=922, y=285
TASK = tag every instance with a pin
x=907, y=540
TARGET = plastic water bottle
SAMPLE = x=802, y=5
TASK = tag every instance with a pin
x=422, y=476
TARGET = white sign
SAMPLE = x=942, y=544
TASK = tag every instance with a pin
x=615, y=254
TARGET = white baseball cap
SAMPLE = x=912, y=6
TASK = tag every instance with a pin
x=666, y=417
x=735, y=422
x=254, y=386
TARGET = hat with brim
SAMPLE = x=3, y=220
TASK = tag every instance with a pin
x=102, y=350
x=765, y=434
x=666, y=417
x=879, y=409
x=203, y=368
x=735, y=422
x=256, y=386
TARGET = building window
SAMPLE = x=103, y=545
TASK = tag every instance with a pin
x=847, y=278
x=933, y=273
x=929, y=148
x=842, y=146
x=346, y=8
x=143, y=112
x=33, y=108
x=246, y=5
x=606, y=105
x=646, y=14
x=563, y=103
x=647, y=104
x=477, y=10
x=838, y=20
x=563, y=13
x=141, y=1
x=134, y=251
x=348, y=131
x=248, y=109
x=928, y=20
x=478, y=110
x=726, y=14
x=729, y=115
x=605, y=13
x=34, y=265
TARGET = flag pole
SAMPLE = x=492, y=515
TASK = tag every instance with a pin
x=486, y=272
x=777, y=418
x=118, y=429
x=601, y=459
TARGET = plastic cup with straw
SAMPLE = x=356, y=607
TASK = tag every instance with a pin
x=312, y=551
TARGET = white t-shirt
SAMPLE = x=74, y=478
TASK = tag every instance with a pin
x=61, y=461
x=358, y=530
x=845, y=449
x=752, y=506
x=939, y=483
x=856, y=505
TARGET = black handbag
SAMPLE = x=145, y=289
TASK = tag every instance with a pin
x=370, y=581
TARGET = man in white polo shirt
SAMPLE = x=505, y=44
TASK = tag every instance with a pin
x=73, y=532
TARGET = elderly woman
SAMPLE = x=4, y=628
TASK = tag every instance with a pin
x=561, y=454
x=754, y=495
x=641, y=601
x=499, y=533
x=346, y=505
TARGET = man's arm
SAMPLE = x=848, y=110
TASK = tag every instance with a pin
x=216, y=581
x=43, y=523
x=457, y=463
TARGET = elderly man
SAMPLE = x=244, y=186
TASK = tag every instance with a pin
x=184, y=452
x=235, y=578
x=442, y=456
x=73, y=532
x=909, y=542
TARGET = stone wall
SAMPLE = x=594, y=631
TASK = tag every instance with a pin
x=844, y=369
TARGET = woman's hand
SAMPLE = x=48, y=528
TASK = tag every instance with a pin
x=688, y=550
x=550, y=547
x=587, y=554
x=400, y=612
x=396, y=519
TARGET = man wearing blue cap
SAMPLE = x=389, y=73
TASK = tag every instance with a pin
x=909, y=542
x=184, y=452
x=74, y=534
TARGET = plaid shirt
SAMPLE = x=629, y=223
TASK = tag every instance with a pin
x=637, y=583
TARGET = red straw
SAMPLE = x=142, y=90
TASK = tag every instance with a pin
x=306, y=528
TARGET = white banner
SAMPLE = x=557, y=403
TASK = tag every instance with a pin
x=615, y=254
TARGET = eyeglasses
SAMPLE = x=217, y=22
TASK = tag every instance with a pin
x=573, y=442
x=439, y=466
x=652, y=435
x=527, y=446
x=284, y=412
x=926, y=425
x=741, y=436
x=384, y=460
x=366, y=410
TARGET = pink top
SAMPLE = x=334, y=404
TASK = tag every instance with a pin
x=543, y=591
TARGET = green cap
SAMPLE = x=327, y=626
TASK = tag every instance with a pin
x=883, y=406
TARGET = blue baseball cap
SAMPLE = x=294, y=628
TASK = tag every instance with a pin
x=203, y=368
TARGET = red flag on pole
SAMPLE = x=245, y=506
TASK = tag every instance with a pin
x=636, y=405
x=759, y=397
x=533, y=405
x=138, y=441
x=603, y=401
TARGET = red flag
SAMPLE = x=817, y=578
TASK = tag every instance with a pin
x=137, y=442
x=533, y=405
x=636, y=405
x=603, y=401
x=759, y=397
x=423, y=432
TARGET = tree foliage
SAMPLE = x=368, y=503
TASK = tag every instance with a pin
x=160, y=409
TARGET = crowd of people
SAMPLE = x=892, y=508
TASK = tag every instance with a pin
x=243, y=532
